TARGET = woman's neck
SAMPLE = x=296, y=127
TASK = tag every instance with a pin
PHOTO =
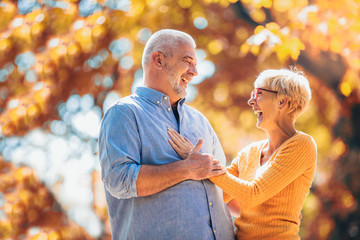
x=276, y=137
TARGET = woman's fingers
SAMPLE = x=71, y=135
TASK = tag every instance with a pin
x=175, y=137
x=180, y=141
x=189, y=144
x=175, y=147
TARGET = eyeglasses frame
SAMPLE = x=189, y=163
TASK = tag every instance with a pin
x=255, y=92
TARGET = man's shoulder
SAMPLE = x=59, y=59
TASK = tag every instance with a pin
x=193, y=111
x=127, y=104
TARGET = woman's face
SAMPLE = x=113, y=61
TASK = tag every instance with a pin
x=264, y=103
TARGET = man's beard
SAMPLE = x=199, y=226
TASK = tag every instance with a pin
x=174, y=82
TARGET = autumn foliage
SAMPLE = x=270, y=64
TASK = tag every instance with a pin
x=52, y=50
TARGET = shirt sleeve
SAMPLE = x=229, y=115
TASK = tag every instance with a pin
x=289, y=162
x=119, y=150
x=218, y=150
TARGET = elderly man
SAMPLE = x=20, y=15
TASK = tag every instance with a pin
x=151, y=193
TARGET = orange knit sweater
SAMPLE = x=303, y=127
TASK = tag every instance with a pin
x=271, y=196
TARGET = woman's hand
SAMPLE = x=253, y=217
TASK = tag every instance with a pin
x=179, y=143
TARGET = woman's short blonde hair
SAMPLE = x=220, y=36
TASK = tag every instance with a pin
x=291, y=83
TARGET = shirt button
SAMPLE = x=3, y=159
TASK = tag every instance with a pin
x=169, y=109
x=165, y=98
x=214, y=231
x=158, y=102
x=210, y=203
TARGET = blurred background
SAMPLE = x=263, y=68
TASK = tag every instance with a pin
x=63, y=63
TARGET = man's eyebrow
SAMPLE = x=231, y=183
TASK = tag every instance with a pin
x=187, y=56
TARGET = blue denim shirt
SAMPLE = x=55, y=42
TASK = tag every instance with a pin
x=134, y=132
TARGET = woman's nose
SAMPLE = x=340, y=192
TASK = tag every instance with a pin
x=251, y=101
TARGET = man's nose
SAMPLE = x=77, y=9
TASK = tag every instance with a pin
x=193, y=71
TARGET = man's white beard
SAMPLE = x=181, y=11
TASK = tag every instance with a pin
x=174, y=82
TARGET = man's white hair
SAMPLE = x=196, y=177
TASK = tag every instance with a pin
x=165, y=41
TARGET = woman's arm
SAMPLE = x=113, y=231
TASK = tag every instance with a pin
x=290, y=161
x=234, y=208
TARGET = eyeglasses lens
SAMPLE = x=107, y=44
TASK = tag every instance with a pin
x=254, y=93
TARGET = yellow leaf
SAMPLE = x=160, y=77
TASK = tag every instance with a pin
x=242, y=33
x=215, y=47
x=283, y=6
x=246, y=1
x=177, y=18
x=185, y=3
x=355, y=26
x=5, y=44
x=345, y=88
x=244, y=49
x=36, y=29
x=98, y=31
x=356, y=63
x=336, y=45
x=282, y=54
x=301, y=3
x=313, y=18
x=338, y=147
x=333, y=25
x=273, y=27
x=258, y=15
x=255, y=49
x=266, y=3
x=136, y=9
x=258, y=29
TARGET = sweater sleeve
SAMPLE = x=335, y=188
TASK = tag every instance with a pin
x=292, y=159
x=233, y=170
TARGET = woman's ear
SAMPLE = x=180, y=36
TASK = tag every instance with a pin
x=283, y=102
x=157, y=59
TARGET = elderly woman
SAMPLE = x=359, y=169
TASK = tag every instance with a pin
x=269, y=179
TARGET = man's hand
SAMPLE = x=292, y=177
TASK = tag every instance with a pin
x=153, y=179
x=201, y=166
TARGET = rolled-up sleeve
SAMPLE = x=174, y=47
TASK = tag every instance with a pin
x=119, y=152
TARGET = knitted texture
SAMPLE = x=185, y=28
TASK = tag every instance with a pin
x=271, y=196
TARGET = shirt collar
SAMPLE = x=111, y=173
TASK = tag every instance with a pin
x=154, y=96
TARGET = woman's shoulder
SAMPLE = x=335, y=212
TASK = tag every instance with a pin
x=301, y=137
x=252, y=148
x=300, y=141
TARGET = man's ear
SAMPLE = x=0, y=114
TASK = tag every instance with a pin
x=157, y=59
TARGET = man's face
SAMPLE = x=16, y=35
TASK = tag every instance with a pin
x=181, y=68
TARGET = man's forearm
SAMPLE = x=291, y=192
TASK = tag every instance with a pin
x=153, y=179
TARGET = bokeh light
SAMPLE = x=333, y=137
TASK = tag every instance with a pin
x=200, y=23
x=64, y=63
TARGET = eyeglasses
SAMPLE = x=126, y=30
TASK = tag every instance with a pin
x=255, y=92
